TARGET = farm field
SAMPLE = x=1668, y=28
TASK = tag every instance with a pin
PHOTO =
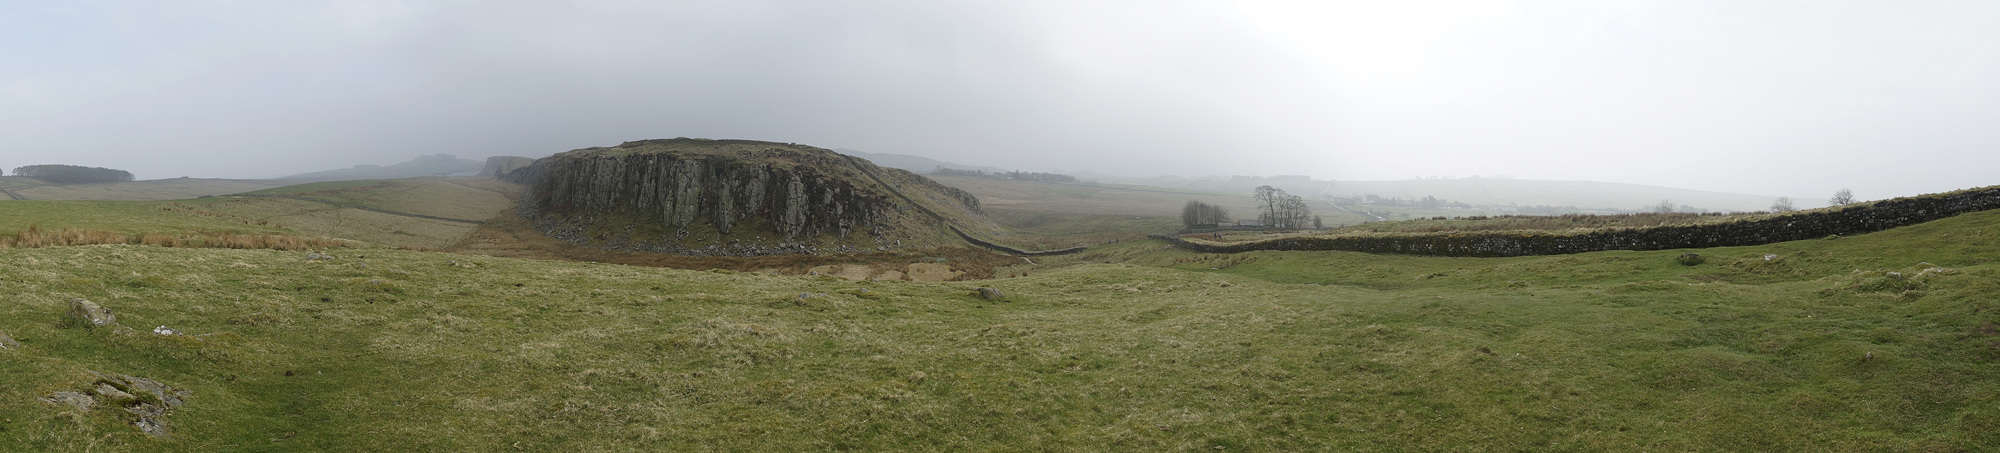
x=1128, y=346
x=149, y=190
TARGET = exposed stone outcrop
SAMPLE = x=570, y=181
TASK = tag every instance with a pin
x=146, y=400
x=685, y=195
x=501, y=166
x=89, y=314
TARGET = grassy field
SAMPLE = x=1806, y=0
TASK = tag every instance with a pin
x=1131, y=346
x=456, y=198
x=1022, y=196
x=149, y=190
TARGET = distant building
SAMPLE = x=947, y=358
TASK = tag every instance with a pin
x=1249, y=222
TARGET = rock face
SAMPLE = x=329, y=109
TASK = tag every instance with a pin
x=501, y=166
x=734, y=197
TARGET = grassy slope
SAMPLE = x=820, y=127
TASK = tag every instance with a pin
x=1268, y=351
x=466, y=198
x=459, y=198
x=149, y=190
x=123, y=217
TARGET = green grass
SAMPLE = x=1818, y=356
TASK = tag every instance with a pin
x=441, y=197
x=123, y=217
x=301, y=189
x=148, y=190
x=1125, y=347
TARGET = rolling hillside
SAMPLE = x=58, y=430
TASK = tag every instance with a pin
x=1883, y=341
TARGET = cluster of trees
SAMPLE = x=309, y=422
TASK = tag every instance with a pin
x=1198, y=215
x=1017, y=175
x=1842, y=197
x=72, y=174
x=1282, y=210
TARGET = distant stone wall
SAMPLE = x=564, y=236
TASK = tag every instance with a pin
x=1855, y=219
x=1011, y=250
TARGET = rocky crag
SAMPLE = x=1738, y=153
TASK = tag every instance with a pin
x=501, y=166
x=737, y=198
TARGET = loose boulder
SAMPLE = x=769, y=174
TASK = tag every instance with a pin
x=990, y=293
x=90, y=314
x=7, y=343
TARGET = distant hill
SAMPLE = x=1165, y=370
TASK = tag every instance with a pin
x=432, y=165
x=915, y=164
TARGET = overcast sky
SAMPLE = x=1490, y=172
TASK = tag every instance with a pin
x=1773, y=98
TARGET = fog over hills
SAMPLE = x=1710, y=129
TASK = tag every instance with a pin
x=432, y=165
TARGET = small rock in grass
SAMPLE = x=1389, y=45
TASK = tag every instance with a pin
x=8, y=343
x=90, y=314
x=1690, y=259
x=164, y=330
x=990, y=293
x=1770, y=257
x=79, y=401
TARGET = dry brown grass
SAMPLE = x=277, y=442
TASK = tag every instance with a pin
x=34, y=236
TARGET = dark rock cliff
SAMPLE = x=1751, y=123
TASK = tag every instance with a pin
x=735, y=197
x=501, y=166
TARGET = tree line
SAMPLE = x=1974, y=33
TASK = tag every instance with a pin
x=72, y=174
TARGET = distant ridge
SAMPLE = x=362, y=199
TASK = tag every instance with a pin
x=431, y=165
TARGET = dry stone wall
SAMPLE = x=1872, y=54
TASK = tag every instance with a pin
x=1855, y=219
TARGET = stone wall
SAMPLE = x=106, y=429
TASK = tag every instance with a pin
x=1849, y=220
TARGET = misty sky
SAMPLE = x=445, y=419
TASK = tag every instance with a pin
x=1774, y=98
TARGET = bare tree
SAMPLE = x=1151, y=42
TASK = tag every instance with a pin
x=1282, y=210
x=1665, y=207
x=1783, y=204
x=1843, y=197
